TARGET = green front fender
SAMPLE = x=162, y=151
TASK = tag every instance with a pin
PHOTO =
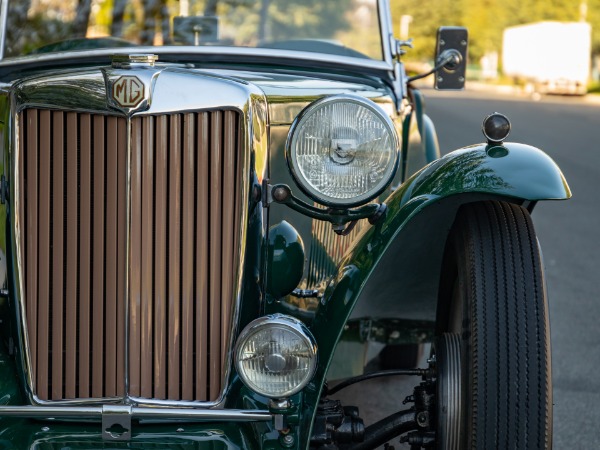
x=510, y=170
x=408, y=243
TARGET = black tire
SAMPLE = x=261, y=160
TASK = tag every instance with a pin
x=492, y=293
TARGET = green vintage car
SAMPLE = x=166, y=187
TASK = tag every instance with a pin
x=209, y=209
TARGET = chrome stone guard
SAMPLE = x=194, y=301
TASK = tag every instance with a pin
x=116, y=419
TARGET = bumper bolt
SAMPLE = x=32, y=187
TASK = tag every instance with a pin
x=423, y=419
x=287, y=440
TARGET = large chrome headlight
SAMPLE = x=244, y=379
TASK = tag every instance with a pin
x=343, y=150
x=276, y=356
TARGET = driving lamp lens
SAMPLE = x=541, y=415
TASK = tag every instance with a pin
x=343, y=150
x=275, y=356
x=496, y=127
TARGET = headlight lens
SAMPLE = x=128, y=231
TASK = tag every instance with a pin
x=343, y=150
x=276, y=356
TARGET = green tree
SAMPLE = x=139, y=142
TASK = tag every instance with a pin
x=487, y=19
x=427, y=16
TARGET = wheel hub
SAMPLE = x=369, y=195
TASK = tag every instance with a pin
x=449, y=391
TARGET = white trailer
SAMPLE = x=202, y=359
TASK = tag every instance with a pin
x=553, y=57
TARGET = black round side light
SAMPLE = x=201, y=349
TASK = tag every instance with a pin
x=496, y=127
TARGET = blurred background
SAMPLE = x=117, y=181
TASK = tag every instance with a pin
x=512, y=42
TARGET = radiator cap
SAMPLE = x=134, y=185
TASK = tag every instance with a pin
x=133, y=60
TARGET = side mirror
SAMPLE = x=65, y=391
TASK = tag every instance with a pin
x=451, y=45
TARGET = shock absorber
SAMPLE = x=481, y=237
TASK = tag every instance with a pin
x=425, y=407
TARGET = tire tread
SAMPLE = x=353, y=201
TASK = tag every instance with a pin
x=510, y=382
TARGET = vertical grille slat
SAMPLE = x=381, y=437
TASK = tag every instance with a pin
x=58, y=143
x=135, y=294
x=111, y=260
x=183, y=242
x=71, y=267
x=160, y=257
x=187, y=260
x=85, y=177
x=44, y=255
x=147, y=253
x=174, y=255
x=214, y=264
x=98, y=293
x=121, y=144
x=202, y=237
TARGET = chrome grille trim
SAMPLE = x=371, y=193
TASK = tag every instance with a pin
x=84, y=91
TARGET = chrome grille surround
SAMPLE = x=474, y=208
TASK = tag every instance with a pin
x=85, y=92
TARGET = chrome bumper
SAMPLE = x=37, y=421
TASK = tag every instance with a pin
x=118, y=417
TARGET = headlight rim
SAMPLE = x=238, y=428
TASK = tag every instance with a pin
x=285, y=321
x=295, y=170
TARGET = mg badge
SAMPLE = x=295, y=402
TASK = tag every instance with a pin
x=128, y=91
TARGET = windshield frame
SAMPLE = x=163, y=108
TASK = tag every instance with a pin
x=229, y=53
x=3, y=24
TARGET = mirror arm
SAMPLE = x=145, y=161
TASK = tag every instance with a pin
x=447, y=57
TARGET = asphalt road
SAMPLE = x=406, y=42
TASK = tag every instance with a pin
x=568, y=232
x=567, y=129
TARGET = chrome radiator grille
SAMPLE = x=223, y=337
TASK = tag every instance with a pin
x=174, y=258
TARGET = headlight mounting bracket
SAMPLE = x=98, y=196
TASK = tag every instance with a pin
x=342, y=220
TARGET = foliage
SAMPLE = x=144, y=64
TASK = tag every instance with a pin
x=283, y=19
x=35, y=22
x=38, y=23
x=35, y=32
x=307, y=16
x=594, y=88
x=486, y=20
x=425, y=20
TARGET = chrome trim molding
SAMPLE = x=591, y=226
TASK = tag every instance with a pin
x=138, y=412
x=222, y=53
x=245, y=98
x=127, y=253
x=15, y=155
x=3, y=24
x=387, y=30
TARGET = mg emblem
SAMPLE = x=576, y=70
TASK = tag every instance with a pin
x=128, y=91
